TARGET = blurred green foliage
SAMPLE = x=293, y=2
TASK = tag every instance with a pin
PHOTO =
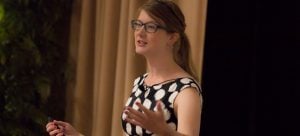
x=32, y=62
x=1, y=12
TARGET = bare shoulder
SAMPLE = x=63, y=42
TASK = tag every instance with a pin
x=189, y=95
x=188, y=98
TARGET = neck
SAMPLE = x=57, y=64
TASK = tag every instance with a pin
x=162, y=68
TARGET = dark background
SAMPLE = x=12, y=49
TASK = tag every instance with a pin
x=251, y=78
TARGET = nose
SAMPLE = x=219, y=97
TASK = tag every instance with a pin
x=141, y=31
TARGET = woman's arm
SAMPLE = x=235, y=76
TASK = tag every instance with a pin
x=188, y=106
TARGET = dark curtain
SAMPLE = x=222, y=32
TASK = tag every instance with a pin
x=251, y=78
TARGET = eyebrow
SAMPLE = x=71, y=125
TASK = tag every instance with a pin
x=149, y=22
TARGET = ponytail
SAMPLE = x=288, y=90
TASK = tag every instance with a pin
x=182, y=55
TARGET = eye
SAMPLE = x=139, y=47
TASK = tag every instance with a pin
x=151, y=26
x=137, y=24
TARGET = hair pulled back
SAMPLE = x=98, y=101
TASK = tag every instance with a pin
x=168, y=13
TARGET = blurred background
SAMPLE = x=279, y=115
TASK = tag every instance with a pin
x=74, y=60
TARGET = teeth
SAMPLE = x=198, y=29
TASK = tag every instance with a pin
x=142, y=42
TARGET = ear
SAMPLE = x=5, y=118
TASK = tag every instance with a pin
x=173, y=38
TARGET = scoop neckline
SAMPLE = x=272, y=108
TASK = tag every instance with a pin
x=163, y=82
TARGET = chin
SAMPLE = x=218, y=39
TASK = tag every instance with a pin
x=142, y=51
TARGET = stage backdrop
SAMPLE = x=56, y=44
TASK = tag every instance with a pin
x=105, y=63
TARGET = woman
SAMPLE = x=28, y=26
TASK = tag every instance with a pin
x=167, y=99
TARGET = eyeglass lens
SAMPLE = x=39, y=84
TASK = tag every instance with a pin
x=149, y=27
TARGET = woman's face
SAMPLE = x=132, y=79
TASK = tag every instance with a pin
x=149, y=44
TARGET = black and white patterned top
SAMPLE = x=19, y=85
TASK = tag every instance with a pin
x=148, y=95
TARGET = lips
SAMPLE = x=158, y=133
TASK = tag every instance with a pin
x=141, y=43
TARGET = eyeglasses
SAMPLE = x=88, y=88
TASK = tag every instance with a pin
x=149, y=27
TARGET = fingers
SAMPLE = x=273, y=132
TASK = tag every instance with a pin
x=134, y=115
x=134, y=112
x=56, y=132
x=60, y=123
x=132, y=121
x=145, y=112
x=159, y=106
x=143, y=108
x=132, y=118
x=50, y=127
x=54, y=129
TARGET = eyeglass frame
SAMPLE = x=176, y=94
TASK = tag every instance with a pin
x=144, y=25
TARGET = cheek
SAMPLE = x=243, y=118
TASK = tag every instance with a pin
x=135, y=34
x=154, y=40
x=159, y=40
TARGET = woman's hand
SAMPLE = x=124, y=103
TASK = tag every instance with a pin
x=153, y=121
x=60, y=128
x=54, y=130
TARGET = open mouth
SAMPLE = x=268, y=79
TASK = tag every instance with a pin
x=141, y=43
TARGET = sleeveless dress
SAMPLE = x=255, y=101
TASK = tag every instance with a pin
x=166, y=92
